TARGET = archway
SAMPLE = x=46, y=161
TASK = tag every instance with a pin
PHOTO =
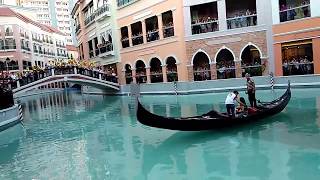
x=141, y=76
x=225, y=65
x=251, y=61
x=156, y=70
x=172, y=73
x=201, y=67
x=128, y=74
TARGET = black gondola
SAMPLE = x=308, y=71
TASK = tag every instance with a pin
x=213, y=119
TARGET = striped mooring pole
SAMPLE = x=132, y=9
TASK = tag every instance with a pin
x=175, y=86
x=272, y=81
x=20, y=112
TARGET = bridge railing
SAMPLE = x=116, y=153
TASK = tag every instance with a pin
x=26, y=78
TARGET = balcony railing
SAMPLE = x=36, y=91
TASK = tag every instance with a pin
x=10, y=47
x=90, y=19
x=293, y=13
x=168, y=31
x=25, y=48
x=8, y=34
x=153, y=35
x=101, y=11
x=125, y=42
x=105, y=48
x=242, y=21
x=205, y=27
x=136, y=40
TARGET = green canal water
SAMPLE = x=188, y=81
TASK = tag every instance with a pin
x=67, y=135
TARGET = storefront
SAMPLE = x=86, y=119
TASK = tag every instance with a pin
x=296, y=47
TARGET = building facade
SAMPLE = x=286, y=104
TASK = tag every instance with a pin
x=151, y=35
x=226, y=39
x=25, y=43
x=96, y=31
x=296, y=37
x=198, y=40
x=55, y=13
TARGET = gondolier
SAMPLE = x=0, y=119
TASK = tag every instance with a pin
x=251, y=90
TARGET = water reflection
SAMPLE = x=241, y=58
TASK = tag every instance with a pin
x=69, y=135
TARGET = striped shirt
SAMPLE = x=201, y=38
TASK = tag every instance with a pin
x=251, y=87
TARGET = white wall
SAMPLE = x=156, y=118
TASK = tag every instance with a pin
x=315, y=5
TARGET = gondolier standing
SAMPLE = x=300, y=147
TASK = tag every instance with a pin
x=251, y=90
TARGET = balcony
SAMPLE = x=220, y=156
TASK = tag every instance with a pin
x=102, y=12
x=168, y=31
x=90, y=19
x=9, y=34
x=242, y=21
x=11, y=47
x=25, y=48
x=294, y=12
x=137, y=39
x=199, y=27
x=106, y=50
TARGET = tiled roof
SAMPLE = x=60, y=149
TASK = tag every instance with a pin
x=7, y=12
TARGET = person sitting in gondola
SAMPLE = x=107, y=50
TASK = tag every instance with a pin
x=242, y=108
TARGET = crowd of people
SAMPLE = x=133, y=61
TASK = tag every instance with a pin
x=35, y=73
x=202, y=73
x=153, y=35
x=242, y=19
x=253, y=68
x=297, y=66
x=204, y=25
x=168, y=30
x=295, y=11
x=226, y=69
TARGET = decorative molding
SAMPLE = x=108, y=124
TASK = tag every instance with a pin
x=139, y=16
x=155, y=2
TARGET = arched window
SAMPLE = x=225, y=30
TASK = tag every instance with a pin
x=172, y=73
x=156, y=70
x=128, y=74
x=141, y=75
x=201, y=67
x=225, y=65
x=251, y=61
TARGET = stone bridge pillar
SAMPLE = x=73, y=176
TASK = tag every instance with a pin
x=238, y=69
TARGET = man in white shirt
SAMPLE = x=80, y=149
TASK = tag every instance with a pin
x=230, y=103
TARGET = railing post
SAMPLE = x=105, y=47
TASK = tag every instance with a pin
x=100, y=76
x=18, y=84
x=75, y=70
x=52, y=71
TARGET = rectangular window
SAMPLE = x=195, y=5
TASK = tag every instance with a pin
x=297, y=58
x=204, y=18
x=294, y=9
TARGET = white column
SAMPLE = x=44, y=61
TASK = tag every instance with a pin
x=144, y=31
x=18, y=84
x=130, y=35
x=187, y=21
x=160, y=25
x=275, y=11
x=75, y=70
x=52, y=72
x=222, y=15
